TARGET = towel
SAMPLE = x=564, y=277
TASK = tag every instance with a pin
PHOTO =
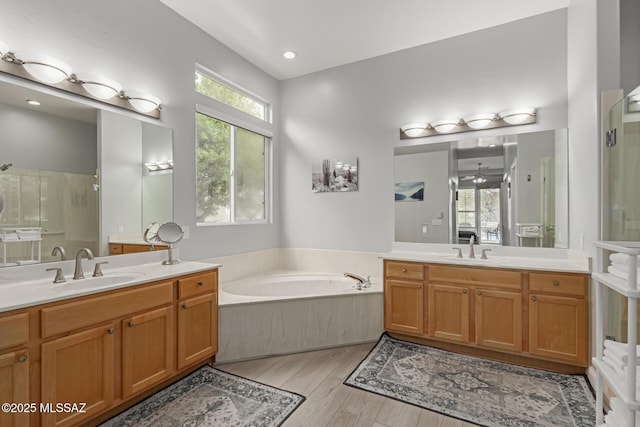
x=616, y=416
x=614, y=361
x=619, y=349
x=613, y=365
x=623, y=266
x=620, y=274
x=621, y=258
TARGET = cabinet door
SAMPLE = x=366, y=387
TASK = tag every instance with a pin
x=147, y=349
x=558, y=328
x=449, y=312
x=197, y=329
x=14, y=386
x=499, y=319
x=78, y=368
x=403, y=306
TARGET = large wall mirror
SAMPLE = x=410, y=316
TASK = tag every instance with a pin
x=72, y=175
x=507, y=190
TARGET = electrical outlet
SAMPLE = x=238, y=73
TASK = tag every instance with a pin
x=121, y=229
x=424, y=229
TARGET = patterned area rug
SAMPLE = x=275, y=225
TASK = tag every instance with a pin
x=479, y=391
x=210, y=397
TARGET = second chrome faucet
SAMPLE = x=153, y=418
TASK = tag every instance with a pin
x=78, y=273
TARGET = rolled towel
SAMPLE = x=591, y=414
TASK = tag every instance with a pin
x=620, y=274
x=615, y=361
x=613, y=365
x=621, y=258
x=622, y=266
x=620, y=350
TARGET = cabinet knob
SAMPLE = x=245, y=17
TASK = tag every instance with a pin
x=533, y=298
x=22, y=359
x=184, y=306
x=200, y=284
x=419, y=286
x=111, y=331
x=479, y=293
x=556, y=283
x=404, y=270
x=464, y=291
x=130, y=324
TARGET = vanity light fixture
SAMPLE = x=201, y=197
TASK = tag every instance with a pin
x=55, y=73
x=479, y=121
x=99, y=87
x=414, y=129
x=445, y=126
x=45, y=69
x=143, y=102
x=469, y=123
x=517, y=116
x=159, y=166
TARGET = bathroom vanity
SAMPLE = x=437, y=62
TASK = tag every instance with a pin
x=107, y=347
x=526, y=311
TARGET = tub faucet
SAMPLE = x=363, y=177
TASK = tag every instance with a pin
x=78, y=274
x=472, y=240
x=60, y=251
x=361, y=282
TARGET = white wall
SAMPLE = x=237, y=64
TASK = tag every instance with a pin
x=34, y=140
x=531, y=148
x=562, y=189
x=106, y=38
x=357, y=109
x=432, y=169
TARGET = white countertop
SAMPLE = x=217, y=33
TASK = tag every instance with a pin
x=542, y=259
x=32, y=285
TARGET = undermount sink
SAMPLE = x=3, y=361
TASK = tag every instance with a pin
x=97, y=282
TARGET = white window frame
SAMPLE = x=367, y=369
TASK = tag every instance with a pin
x=236, y=122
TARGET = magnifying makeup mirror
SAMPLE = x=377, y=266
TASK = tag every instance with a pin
x=170, y=233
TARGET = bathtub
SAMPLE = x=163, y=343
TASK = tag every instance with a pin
x=287, y=312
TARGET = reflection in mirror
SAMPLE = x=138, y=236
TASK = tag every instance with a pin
x=508, y=190
x=50, y=176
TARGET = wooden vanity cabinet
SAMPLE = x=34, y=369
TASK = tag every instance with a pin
x=106, y=349
x=14, y=367
x=558, y=317
x=197, y=318
x=536, y=315
x=404, y=297
x=132, y=248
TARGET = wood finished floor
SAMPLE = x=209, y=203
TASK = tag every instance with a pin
x=318, y=375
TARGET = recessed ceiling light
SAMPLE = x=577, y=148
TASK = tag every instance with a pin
x=33, y=102
x=289, y=54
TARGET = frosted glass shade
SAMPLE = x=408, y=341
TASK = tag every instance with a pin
x=45, y=69
x=414, y=129
x=479, y=121
x=516, y=117
x=143, y=102
x=445, y=126
x=99, y=87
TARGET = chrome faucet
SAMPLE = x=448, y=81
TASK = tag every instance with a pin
x=59, y=250
x=361, y=282
x=78, y=274
x=472, y=240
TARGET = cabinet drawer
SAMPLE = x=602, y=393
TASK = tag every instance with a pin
x=14, y=330
x=404, y=270
x=197, y=284
x=115, y=248
x=485, y=277
x=556, y=283
x=75, y=315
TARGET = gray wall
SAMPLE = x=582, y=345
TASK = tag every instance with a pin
x=105, y=38
x=531, y=148
x=34, y=140
x=432, y=169
x=629, y=42
x=357, y=109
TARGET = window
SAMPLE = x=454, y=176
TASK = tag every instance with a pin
x=232, y=171
x=466, y=208
x=235, y=98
